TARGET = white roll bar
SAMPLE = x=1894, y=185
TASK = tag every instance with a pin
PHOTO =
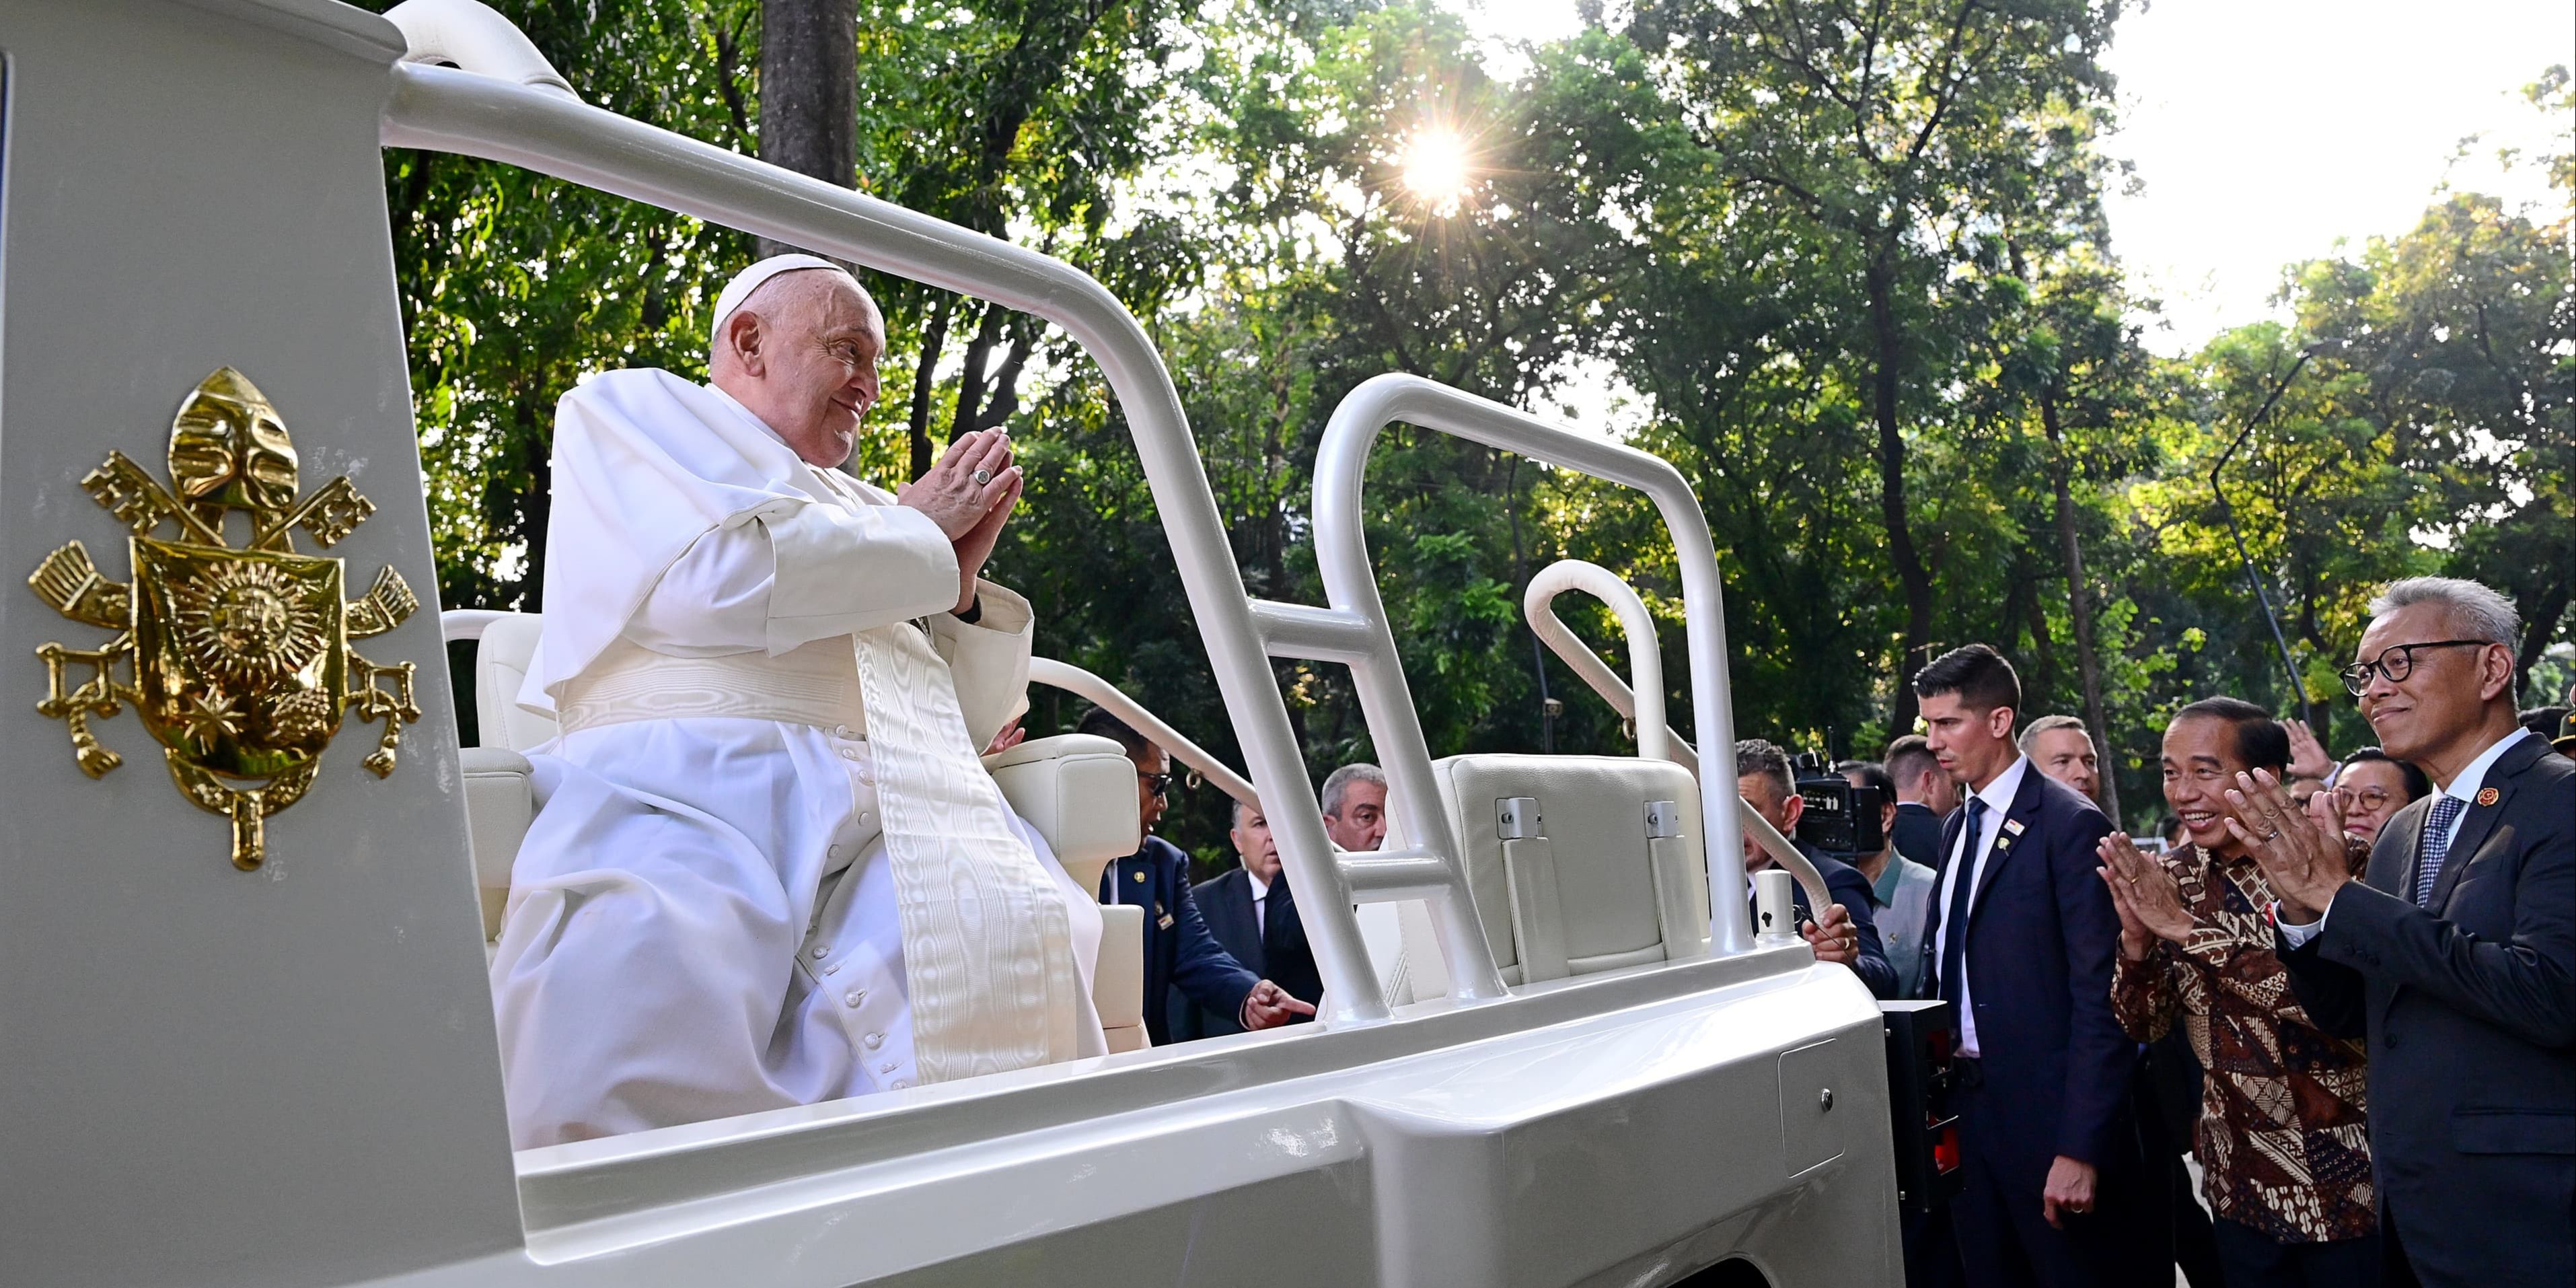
x=1109, y=697
x=1358, y=629
x=457, y=111
x=470, y=35
x=1643, y=700
x=1647, y=696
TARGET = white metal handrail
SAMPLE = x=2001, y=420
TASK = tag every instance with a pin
x=1108, y=697
x=449, y=110
x=1355, y=629
x=1643, y=704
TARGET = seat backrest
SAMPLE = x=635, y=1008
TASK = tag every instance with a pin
x=501, y=662
x=1079, y=791
x=1605, y=871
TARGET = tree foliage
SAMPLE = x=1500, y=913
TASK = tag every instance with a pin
x=1849, y=265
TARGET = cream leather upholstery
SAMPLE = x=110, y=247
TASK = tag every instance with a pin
x=499, y=804
x=1079, y=792
x=1118, y=982
x=501, y=661
x=1586, y=888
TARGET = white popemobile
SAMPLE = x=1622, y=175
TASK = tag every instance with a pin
x=246, y=1035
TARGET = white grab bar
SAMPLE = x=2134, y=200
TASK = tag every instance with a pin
x=1647, y=697
x=1108, y=697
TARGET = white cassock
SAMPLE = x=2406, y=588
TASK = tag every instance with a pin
x=767, y=868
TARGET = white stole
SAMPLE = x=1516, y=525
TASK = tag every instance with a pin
x=987, y=945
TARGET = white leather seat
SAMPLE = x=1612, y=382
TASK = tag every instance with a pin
x=1078, y=791
x=1609, y=875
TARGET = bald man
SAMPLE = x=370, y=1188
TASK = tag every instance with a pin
x=768, y=868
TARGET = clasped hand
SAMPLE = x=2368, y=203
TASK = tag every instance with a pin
x=2146, y=895
x=2303, y=858
x=969, y=510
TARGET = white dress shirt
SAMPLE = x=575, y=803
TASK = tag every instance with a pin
x=2464, y=788
x=1998, y=796
x=1260, y=903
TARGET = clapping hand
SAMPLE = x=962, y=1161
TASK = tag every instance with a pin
x=2144, y=891
x=2302, y=858
x=2308, y=758
x=969, y=494
x=1833, y=937
x=1268, y=1006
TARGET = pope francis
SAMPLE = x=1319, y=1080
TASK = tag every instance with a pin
x=767, y=868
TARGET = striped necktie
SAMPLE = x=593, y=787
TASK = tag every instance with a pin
x=2435, y=846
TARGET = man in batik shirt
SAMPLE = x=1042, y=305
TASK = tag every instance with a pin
x=2281, y=1140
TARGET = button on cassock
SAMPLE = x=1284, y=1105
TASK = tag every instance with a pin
x=856, y=996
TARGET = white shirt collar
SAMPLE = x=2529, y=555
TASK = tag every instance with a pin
x=1260, y=888
x=2466, y=785
x=1999, y=794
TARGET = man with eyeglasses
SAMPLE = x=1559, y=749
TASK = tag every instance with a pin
x=2455, y=953
x=1181, y=955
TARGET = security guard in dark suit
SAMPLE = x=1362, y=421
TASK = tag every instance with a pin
x=1180, y=955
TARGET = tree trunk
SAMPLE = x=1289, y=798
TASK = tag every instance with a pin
x=1887, y=341
x=809, y=78
x=925, y=380
x=2079, y=606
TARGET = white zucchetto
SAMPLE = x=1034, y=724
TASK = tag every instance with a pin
x=752, y=278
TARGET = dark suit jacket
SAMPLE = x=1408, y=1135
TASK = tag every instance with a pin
x=2470, y=1012
x=2041, y=936
x=1918, y=833
x=1280, y=955
x=1179, y=951
x=1851, y=890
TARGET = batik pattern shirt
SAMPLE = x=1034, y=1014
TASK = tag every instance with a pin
x=2282, y=1132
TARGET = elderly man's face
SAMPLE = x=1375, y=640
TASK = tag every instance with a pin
x=2443, y=697
x=1252, y=843
x=808, y=361
x=2067, y=756
x=1360, y=824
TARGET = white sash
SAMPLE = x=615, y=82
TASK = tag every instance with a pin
x=987, y=945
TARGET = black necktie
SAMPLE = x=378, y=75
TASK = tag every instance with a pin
x=1963, y=889
x=1282, y=906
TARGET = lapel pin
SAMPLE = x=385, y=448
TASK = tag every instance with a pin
x=2013, y=825
x=2489, y=796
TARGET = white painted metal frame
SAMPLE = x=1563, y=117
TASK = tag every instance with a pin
x=1354, y=630
x=1083, y=684
x=1643, y=704
x=448, y=110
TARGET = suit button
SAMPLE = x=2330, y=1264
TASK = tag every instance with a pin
x=2388, y=1043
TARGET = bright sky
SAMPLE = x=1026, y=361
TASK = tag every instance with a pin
x=2264, y=131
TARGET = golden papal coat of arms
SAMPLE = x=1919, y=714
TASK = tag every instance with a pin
x=236, y=657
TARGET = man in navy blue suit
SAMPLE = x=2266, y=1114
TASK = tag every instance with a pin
x=1924, y=797
x=1848, y=937
x=1179, y=951
x=2021, y=946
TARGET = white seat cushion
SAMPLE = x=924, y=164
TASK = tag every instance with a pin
x=499, y=804
x=501, y=662
x=1118, y=981
x=1079, y=792
x=1592, y=891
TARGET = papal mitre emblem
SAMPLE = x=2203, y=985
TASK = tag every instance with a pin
x=237, y=658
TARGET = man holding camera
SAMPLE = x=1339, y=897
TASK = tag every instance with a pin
x=1844, y=932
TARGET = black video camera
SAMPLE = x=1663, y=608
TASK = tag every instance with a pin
x=1841, y=819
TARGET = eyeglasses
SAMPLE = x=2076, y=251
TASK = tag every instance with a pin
x=2372, y=799
x=1158, y=784
x=2397, y=661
